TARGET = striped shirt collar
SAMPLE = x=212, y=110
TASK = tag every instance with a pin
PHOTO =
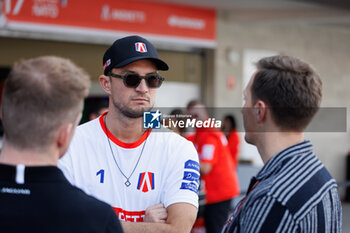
x=276, y=161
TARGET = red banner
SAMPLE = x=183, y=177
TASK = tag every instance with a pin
x=124, y=16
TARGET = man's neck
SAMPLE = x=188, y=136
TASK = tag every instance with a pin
x=270, y=143
x=12, y=156
x=124, y=128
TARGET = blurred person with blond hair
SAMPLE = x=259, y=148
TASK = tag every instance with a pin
x=41, y=107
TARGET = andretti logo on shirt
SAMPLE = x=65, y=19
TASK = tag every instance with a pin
x=141, y=47
x=146, y=182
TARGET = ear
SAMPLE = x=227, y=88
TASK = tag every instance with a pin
x=105, y=83
x=64, y=136
x=261, y=111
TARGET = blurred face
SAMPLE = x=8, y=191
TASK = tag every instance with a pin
x=198, y=112
x=248, y=113
x=227, y=126
x=132, y=102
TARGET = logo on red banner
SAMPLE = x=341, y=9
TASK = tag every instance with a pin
x=140, y=47
x=129, y=216
x=146, y=182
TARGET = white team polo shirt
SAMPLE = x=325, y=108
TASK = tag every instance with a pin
x=167, y=172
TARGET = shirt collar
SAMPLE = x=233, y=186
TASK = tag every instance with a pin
x=278, y=159
x=32, y=173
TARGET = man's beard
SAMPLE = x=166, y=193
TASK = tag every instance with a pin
x=129, y=112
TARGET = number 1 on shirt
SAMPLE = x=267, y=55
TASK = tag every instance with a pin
x=102, y=173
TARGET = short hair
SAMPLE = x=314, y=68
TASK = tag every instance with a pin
x=40, y=95
x=193, y=103
x=176, y=111
x=291, y=88
x=232, y=121
x=99, y=106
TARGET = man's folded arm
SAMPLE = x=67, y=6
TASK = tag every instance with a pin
x=181, y=217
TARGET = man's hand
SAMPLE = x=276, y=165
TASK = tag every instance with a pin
x=156, y=213
x=177, y=218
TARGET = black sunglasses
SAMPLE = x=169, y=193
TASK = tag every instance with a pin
x=133, y=80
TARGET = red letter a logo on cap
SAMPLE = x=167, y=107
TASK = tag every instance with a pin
x=140, y=47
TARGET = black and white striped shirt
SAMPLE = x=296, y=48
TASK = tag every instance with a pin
x=293, y=192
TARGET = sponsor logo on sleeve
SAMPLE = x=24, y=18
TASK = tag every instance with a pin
x=191, y=176
x=191, y=164
x=207, y=152
x=190, y=186
x=18, y=191
x=190, y=180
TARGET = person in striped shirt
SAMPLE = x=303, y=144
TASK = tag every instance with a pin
x=293, y=192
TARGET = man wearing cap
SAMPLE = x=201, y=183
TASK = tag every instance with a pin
x=150, y=178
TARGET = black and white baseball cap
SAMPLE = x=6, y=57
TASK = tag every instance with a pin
x=129, y=49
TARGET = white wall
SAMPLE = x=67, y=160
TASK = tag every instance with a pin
x=250, y=57
x=325, y=47
x=176, y=94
